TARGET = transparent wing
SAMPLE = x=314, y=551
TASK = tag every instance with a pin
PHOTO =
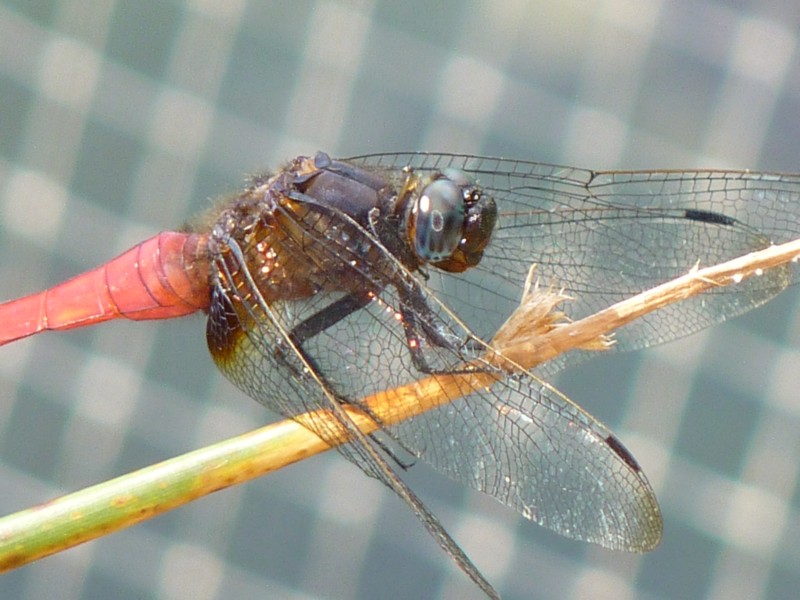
x=527, y=445
x=604, y=236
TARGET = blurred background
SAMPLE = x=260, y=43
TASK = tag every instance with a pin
x=120, y=119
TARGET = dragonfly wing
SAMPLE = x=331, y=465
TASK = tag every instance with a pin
x=604, y=236
x=524, y=443
x=518, y=440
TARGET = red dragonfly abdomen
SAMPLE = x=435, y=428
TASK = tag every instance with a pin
x=163, y=277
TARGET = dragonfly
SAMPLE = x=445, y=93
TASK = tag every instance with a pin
x=332, y=279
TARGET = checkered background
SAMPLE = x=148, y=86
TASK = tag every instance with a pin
x=120, y=119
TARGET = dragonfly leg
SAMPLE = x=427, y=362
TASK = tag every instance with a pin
x=329, y=316
x=322, y=320
x=423, y=328
x=318, y=323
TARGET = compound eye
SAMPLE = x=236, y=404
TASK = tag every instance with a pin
x=438, y=220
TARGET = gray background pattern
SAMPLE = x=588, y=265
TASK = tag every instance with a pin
x=122, y=118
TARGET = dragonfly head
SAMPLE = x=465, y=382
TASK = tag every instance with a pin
x=451, y=221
